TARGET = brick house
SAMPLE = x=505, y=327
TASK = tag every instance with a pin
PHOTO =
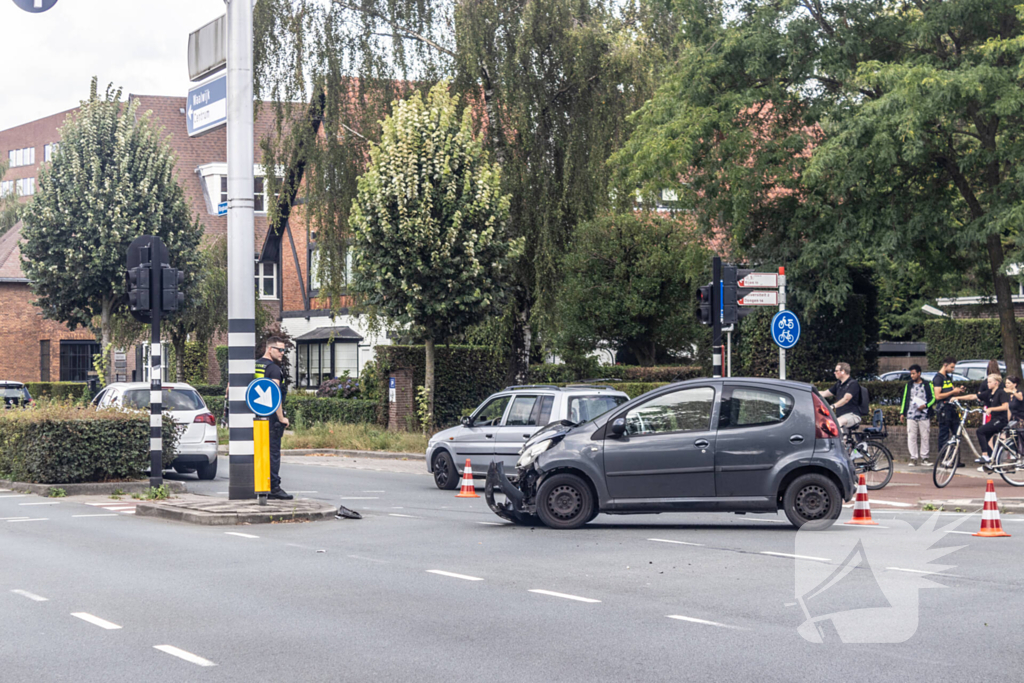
x=49, y=351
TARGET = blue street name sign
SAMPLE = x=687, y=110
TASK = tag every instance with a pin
x=263, y=397
x=35, y=6
x=785, y=329
x=222, y=209
x=207, y=105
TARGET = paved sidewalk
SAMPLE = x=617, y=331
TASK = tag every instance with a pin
x=209, y=511
x=913, y=487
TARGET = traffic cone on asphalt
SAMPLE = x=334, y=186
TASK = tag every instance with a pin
x=990, y=524
x=862, y=509
x=467, y=490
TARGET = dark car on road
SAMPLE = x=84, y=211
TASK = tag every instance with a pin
x=745, y=445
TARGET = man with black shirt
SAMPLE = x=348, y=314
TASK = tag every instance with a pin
x=846, y=391
x=269, y=367
x=944, y=390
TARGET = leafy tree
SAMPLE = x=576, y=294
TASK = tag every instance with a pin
x=111, y=180
x=630, y=279
x=431, y=248
x=823, y=135
x=205, y=312
x=10, y=208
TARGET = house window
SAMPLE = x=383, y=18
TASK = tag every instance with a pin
x=49, y=150
x=6, y=187
x=44, y=360
x=314, y=268
x=259, y=193
x=76, y=359
x=21, y=157
x=266, y=279
x=223, y=189
x=26, y=187
x=319, y=361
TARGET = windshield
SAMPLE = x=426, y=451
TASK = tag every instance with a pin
x=170, y=399
x=586, y=408
x=16, y=392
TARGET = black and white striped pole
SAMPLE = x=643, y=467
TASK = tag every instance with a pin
x=717, y=313
x=158, y=255
x=241, y=246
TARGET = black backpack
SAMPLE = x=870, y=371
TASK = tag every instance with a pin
x=865, y=402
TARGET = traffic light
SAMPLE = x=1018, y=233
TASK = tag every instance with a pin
x=732, y=312
x=139, y=299
x=704, y=304
x=171, y=298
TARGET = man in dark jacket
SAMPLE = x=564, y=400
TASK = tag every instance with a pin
x=916, y=410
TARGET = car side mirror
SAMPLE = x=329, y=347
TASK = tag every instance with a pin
x=467, y=422
x=617, y=428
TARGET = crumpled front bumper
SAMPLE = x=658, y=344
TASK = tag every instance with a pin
x=513, y=508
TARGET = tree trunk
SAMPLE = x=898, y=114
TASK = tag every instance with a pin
x=1004, y=304
x=105, y=334
x=428, y=382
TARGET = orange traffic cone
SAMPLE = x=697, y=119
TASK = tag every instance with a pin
x=862, y=509
x=467, y=490
x=990, y=524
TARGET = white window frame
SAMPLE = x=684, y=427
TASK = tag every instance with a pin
x=262, y=274
x=26, y=156
x=6, y=188
x=26, y=187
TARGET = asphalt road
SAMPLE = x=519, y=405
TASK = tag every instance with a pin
x=428, y=587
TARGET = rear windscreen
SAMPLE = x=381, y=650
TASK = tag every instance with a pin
x=170, y=399
x=586, y=408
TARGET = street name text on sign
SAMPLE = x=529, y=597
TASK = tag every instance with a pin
x=759, y=280
x=207, y=105
x=391, y=390
x=222, y=209
x=263, y=397
x=35, y=6
x=760, y=298
x=785, y=329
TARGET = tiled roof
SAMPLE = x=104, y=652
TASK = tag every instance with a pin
x=10, y=253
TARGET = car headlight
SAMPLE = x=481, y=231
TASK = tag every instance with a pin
x=531, y=453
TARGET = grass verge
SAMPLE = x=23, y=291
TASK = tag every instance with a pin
x=357, y=437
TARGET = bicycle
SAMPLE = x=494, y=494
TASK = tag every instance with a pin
x=949, y=456
x=870, y=458
x=1008, y=455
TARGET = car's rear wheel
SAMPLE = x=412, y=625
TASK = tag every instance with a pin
x=812, y=501
x=446, y=477
x=208, y=471
x=565, y=501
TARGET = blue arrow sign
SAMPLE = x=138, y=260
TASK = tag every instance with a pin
x=785, y=329
x=207, y=105
x=35, y=6
x=263, y=397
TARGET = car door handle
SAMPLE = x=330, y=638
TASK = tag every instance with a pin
x=489, y=436
x=701, y=443
x=796, y=438
x=526, y=436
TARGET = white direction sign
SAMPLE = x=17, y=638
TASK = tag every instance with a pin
x=759, y=280
x=207, y=105
x=764, y=298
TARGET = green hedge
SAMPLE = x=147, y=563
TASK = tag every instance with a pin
x=634, y=389
x=209, y=389
x=308, y=410
x=965, y=339
x=60, y=444
x=551, y=373
x=890, y=393
x=58, y=390
x=222, y=364
x=463, y=376
x=215, y=404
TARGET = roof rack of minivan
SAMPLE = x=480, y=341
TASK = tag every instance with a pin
x=590, y=386
x=531, y=386
x=603, y=379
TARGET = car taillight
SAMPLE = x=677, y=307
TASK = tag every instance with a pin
x=824, y=426
x=206, y=418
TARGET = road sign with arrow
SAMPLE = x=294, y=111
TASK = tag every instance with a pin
x=263, y=397
x=207, y=105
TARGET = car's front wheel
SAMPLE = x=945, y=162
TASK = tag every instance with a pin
x=446, y=477
x=565, y=501
x=812, y=501
x=208, y=471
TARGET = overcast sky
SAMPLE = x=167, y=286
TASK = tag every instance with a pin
x=140, y=45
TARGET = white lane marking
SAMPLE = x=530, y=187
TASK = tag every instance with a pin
x=375, y=491
x=918, y=571
x=49, y=502
x=96, y=621
x=12, y=518
x=860, y=526
x=966, y=533
x=27, y=519
x=104, y=514
x=368, y=559
x=119, y=508
x=493, y=523
x=395, y=514
x=239, y=534
x=30, y=596
x=769, y=521
x=798, y=557
x=454, y=576
x=18, y=495
x=182, y=654
x=893, y=503
x=4, y=490
x=128, y=512
x=703, y=621
x=359, y=498
x=665, y=540
x=562, y=595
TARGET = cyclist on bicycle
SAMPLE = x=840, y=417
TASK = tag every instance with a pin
x=846, y=391
x=997, y=406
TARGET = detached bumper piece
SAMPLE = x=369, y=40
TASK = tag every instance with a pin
x=512, y=509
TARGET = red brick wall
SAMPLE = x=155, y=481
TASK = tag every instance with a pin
x=403, y=407
x=291, y=290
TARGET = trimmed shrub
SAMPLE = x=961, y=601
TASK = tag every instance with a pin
x=206, y=390
x=196, y=362
x=634, y=389
x=222, y=364
x=464, y=376
x=890, y=393
x=215, y=404
x=62, y=444
x=965, y=339
x=58, y=391
x=557, y=373
x=309, y=410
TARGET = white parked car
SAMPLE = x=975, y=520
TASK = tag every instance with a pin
x=197, y=448
x=498, y=428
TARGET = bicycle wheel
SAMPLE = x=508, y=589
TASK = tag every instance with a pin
x=875, y=464
x=945, y=464
x=1009, y=464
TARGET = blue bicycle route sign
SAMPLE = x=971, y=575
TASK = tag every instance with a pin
x=785, y=329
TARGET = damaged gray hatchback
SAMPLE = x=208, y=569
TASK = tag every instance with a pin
x=705, y=445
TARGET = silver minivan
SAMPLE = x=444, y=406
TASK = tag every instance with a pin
x=498, y=428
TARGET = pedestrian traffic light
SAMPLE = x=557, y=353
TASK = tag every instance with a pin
x=171, y=298
x=732, y=312
x=704, y=304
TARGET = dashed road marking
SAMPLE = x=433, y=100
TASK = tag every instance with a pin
x=797, y=557
x=665, y=540
x=562, y=595
x=769, y=521
x=102, y=514
x=368, y=559
x=28, y=519
x=359, y=498
x=893, y=503
x=493, y=523
x=96, y=621
x=919, y=571
x=17, y=495
x=694, y=620
x=49, y=502
x=966, y=533
x=8, y=519
x=30, y=596
x=239, y=534
x=395, y=514
x=182, y=654
x=453, y=575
